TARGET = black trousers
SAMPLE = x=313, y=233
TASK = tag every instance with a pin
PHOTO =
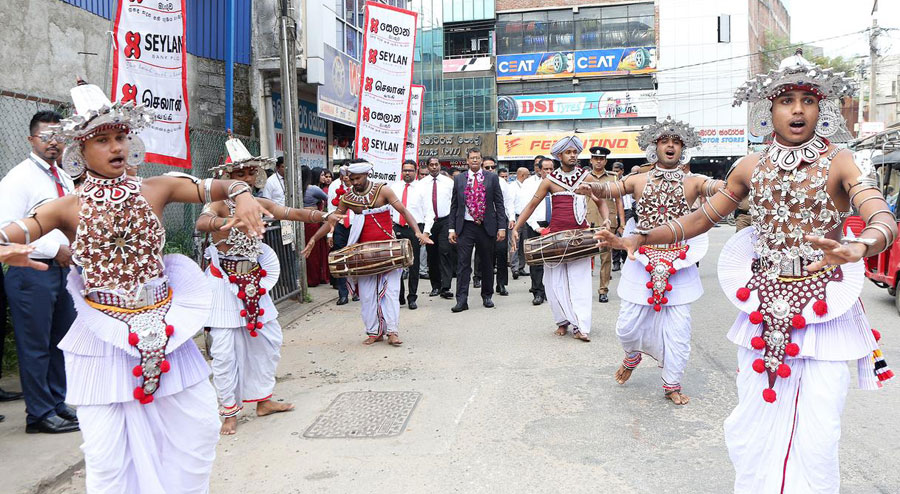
x=441, y=256
x=536, y=271
x=413, y=278
x=500, y=262
x=620, y=256
x=474, y=236
x=42, y=312
x=2, y=319
x=339, y=239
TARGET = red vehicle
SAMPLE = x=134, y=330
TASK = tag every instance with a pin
x=884, y=269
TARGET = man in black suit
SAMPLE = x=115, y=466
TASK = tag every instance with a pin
x=476, y=211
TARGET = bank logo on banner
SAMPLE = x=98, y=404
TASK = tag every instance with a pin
x=416, y=102
x=383, y=117
x=149, y=69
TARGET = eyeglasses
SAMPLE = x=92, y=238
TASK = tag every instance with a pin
x=489, y=167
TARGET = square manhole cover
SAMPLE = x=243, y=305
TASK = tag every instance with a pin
x=365, y=414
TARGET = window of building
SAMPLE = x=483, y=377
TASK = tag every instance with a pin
x=724, y=29
x=468, y=39
x=350, y=16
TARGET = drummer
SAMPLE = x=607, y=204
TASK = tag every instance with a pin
x=380, y=293
x=568, y=284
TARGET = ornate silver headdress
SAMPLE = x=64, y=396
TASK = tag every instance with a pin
x=239, y=157
x=668, y=127
x=94, y=113
x=798, y=72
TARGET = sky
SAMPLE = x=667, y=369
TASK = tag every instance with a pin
x=813, y=20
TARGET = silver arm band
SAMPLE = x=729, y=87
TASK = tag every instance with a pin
x=21, y=224
x=674, y=233
x=888, y=226
x=888, y=211
x=207, y=190
x=865, y=188
x=884, y=233
x=236, y=189
x=720, y=215
x=728, y=195
x=867, y=199
x=708, y=217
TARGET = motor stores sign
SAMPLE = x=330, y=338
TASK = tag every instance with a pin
x=527, y=146
x=149, y=68
x=416, y=100
x=381, y=128
x=722, y=141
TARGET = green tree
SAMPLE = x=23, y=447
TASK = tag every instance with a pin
x=776, y=48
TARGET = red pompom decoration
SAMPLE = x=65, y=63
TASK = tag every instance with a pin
x=650, y=285
x=876, y=334
x=147, y=400
x=165, y=366
x=262, y=291
x=757, y=342
x=759, y=366
x=139, y=393
x=642, y=250
x=657, y=307
x=243, y=312
x=261, y=311
x=820, y=307
x=250, y=326
x=133, y=339
x=170, y=330
x=651, y=300
x=682, y=255
x=756, y=317
x=769, y=395
x=743, y=294
x=232, y=278
x=137, y=371
x=784, y=371
x=648, y=268
x=259, y=325
x=263, y=273
x=253, y=334
x=668, y=287
x=792, y=349
x=664, y=300
x=335, y=201
x=672, y=270
x=242, y=295
x=798, y=322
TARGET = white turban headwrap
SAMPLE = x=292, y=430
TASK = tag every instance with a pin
x=566, y=143
x=355, y=168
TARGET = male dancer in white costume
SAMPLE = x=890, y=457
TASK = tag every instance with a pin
x=658, y=287
x=568, y=284
x=145, y=405
x=795, y=279
x=243, y=322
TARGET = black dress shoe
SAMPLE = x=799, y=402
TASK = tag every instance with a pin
x=616, y=266
x=412, y=305
x=476, y=283
x=459, y=307
x=538, y=300
x=10, y=395
x=447, y=294
x=2, y=418
x=68, y=414
x=523, y=273
x=402, y=301
x=488, y=303
x=342, y=301
x=603, y=298
x=355, y=298
x=501, y=290
x=435, y=292
x=515, y=275
x=53, y=424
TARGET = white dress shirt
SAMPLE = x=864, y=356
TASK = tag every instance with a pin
x=529, y=189
x=274, y=189
x=28, y=184
x=444, y=194
x=509, y=199
x=521, y=198
x=330, y=206
x=415, y=202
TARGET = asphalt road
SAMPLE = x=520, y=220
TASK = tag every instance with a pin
x=507, y=406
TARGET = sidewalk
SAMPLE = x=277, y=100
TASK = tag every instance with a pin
x=36, y=463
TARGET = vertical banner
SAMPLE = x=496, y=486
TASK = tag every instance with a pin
x=149, y=68
x=416, y=101
x=389, y=43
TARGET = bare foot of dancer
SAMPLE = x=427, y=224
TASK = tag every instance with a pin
x=678, y=398
x=562, y=330
x=373, y=339
x=229, y=427
x=269, y=407
x=394, y=340
x=578, y=335
x=623, y=374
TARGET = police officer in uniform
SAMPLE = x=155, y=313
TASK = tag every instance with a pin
x=617, y=220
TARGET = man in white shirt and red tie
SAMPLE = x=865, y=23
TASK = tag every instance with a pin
x=337, y=238
x=438, y=189
x=41, y=307
x=408, y=190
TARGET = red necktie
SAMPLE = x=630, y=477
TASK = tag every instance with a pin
x=347, y=218
x=434, y=197
x=59, y=187
x=403, y=218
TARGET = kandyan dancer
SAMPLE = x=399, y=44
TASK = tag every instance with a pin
x=379, y=293
x=795, y=279
x=145, y=405
x=658, y=287
x=246, y=335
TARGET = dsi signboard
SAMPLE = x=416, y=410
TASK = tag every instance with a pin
x=582, y=63
x=566, y=106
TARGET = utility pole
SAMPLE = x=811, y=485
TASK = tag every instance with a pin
x=873, y=56
x=287, y=30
